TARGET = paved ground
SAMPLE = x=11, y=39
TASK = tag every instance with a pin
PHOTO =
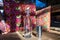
x=50, y=36
x=17, y=36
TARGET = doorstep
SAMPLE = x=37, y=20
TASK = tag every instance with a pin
x=55, y=32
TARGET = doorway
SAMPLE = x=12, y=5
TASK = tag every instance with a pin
x=55, y=19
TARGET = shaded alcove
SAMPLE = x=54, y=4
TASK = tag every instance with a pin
x=55, y=19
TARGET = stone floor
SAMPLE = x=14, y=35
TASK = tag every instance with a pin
x=17, y=36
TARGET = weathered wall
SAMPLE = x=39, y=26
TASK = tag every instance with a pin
x=44, y=17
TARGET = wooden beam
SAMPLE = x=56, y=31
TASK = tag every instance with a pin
x=43, y=10
x=55, y=8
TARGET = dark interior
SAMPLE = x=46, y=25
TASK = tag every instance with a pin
x=55, y=19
